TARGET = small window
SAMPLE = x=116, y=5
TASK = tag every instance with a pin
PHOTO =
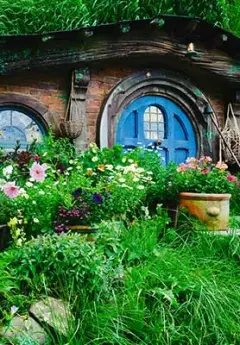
x=153, y=123
x=15, y=125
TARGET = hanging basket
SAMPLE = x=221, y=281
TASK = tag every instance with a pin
x=71, y=129
x=231, y=136
x=72, y=124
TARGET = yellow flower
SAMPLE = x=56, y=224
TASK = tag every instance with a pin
x=89, y=172
x=101, y=167
x=12, y=222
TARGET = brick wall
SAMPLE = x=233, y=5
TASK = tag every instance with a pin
x=51, y=88
x=48, y=88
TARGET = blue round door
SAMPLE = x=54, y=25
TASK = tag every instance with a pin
x=159, y=123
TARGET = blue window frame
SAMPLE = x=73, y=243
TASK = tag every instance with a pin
x=18, y=125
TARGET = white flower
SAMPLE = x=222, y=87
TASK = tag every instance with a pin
x=13, y=310
x=41, y=192
x=29, y=184
x=78, y=167
x=95, y=159
x=70, y=168
x=34, y=202
x=7, y=171
x=71, y=161
x=122, y=180
x=31, y=179
x=26, y=196
x=109, y=166
x=130, y=161
x=140, y=187
x=56, y=183
x=119, y=167
x=35, y=220
x=136, y=179
x=124, y=159
x=67, y=173
x=22, y=191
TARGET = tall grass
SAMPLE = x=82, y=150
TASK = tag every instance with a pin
x=33, y=16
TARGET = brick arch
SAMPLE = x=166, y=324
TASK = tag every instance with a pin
x=164, y=83
x=39, y=110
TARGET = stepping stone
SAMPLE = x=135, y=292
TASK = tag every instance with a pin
x=53, y=312
x=25, y=328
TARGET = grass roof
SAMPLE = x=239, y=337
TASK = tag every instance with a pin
x=41, y=16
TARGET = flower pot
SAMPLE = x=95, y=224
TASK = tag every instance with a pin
x=211, y=209
x=5, y=237
x=84, y=230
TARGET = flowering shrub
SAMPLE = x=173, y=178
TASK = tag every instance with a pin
x=202, y=176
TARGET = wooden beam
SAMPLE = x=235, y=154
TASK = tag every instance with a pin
x=99, y=48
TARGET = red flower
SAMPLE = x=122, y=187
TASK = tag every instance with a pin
x=36, y=158
x=231, y=178
x=205, y=172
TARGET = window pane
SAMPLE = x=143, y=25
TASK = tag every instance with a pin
x=17, y=126
x=153, y=123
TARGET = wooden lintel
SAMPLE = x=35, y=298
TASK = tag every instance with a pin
x=99, y=49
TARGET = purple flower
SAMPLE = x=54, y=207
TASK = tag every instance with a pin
x=97, y=198
x=77, y=193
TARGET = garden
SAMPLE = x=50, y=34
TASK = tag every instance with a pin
x=96, y=234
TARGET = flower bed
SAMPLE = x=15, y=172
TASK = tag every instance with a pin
x=50, y=189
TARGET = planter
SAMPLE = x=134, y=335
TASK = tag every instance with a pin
x=211, y=209
x=5, y=237
x=83, y=230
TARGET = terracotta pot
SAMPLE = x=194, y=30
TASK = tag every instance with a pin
x=83, y=229
x=211, y=209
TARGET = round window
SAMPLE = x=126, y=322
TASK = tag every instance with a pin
x=16, y=126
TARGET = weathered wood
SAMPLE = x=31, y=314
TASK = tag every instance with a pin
x=99, y=48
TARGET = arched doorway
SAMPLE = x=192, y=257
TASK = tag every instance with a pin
x=177, y=105
x=157, y=122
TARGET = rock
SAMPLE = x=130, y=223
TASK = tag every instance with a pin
x=54, y=313
x=25, y=328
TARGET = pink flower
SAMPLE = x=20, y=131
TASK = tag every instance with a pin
x=191, y=160
x=11, y=190
x=206, y=159
x=221, y=166
x=37, y=171
x=182, y=167
x=231, y=178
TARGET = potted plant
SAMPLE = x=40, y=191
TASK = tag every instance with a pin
x=205, y=190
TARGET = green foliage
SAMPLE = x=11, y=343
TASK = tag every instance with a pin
x=32, y=16
x=133, y=285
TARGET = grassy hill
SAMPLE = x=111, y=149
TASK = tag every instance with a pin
x=39, y=16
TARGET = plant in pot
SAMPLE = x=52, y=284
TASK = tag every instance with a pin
x=205, y=190
x=85, y=210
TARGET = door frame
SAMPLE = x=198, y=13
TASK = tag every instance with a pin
x=156, y=83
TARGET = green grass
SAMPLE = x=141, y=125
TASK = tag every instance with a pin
x=181, y=289
x=35, y=16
